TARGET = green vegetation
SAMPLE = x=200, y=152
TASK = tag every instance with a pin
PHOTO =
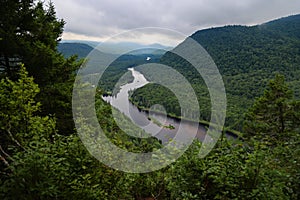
x=70, y=49
x=30, y=33
x=116, y=70
x=158, y=123
x=247, y=57
x=275, y=115
x=139, y=98
x=42, y=157
x=170, y=126
x=38, y=163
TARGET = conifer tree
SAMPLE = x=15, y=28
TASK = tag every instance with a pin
x=30, y=32
x=273, y=115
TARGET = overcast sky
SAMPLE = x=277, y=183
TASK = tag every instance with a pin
x=100, y=19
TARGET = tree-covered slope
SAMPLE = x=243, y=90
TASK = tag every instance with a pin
x=288, y=26
x=38, y=160
x=247, y=58
x=70, y=49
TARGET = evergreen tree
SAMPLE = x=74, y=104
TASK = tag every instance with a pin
x=29, y=34
x=274, y=115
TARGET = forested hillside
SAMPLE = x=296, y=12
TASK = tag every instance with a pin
x=247, y=58
x=43, y=157
x=70, y=49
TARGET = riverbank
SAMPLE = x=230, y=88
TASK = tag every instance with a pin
x=158, y=123
x=206, y=124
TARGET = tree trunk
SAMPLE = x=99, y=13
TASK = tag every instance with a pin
x=7, y=66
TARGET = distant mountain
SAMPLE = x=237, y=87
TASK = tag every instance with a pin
x=121, y=47
x=79, y=49
x=83, y=48
x=90, y=43
x=120, y=64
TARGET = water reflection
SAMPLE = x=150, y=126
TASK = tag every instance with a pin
x=149, y=121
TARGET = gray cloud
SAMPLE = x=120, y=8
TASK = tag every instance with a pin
x=103, y=18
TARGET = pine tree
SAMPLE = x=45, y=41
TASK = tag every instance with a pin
x=29, y=34
x=273, y=115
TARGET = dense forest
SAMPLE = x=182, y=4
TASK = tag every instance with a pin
x=42, y=157
x=247, y=57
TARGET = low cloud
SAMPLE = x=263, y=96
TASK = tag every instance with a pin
x=100, y=19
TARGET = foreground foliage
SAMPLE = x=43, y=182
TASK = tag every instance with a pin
x=29, y=34
x=37, y=163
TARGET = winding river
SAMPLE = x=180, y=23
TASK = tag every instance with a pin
x=158, y=125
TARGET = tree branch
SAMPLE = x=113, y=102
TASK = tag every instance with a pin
x=4, y=160
x=13, y=139
x=5, y=154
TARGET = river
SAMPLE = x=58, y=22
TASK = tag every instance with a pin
x=148, y=120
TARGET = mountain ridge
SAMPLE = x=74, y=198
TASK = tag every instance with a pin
x=247, y=58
